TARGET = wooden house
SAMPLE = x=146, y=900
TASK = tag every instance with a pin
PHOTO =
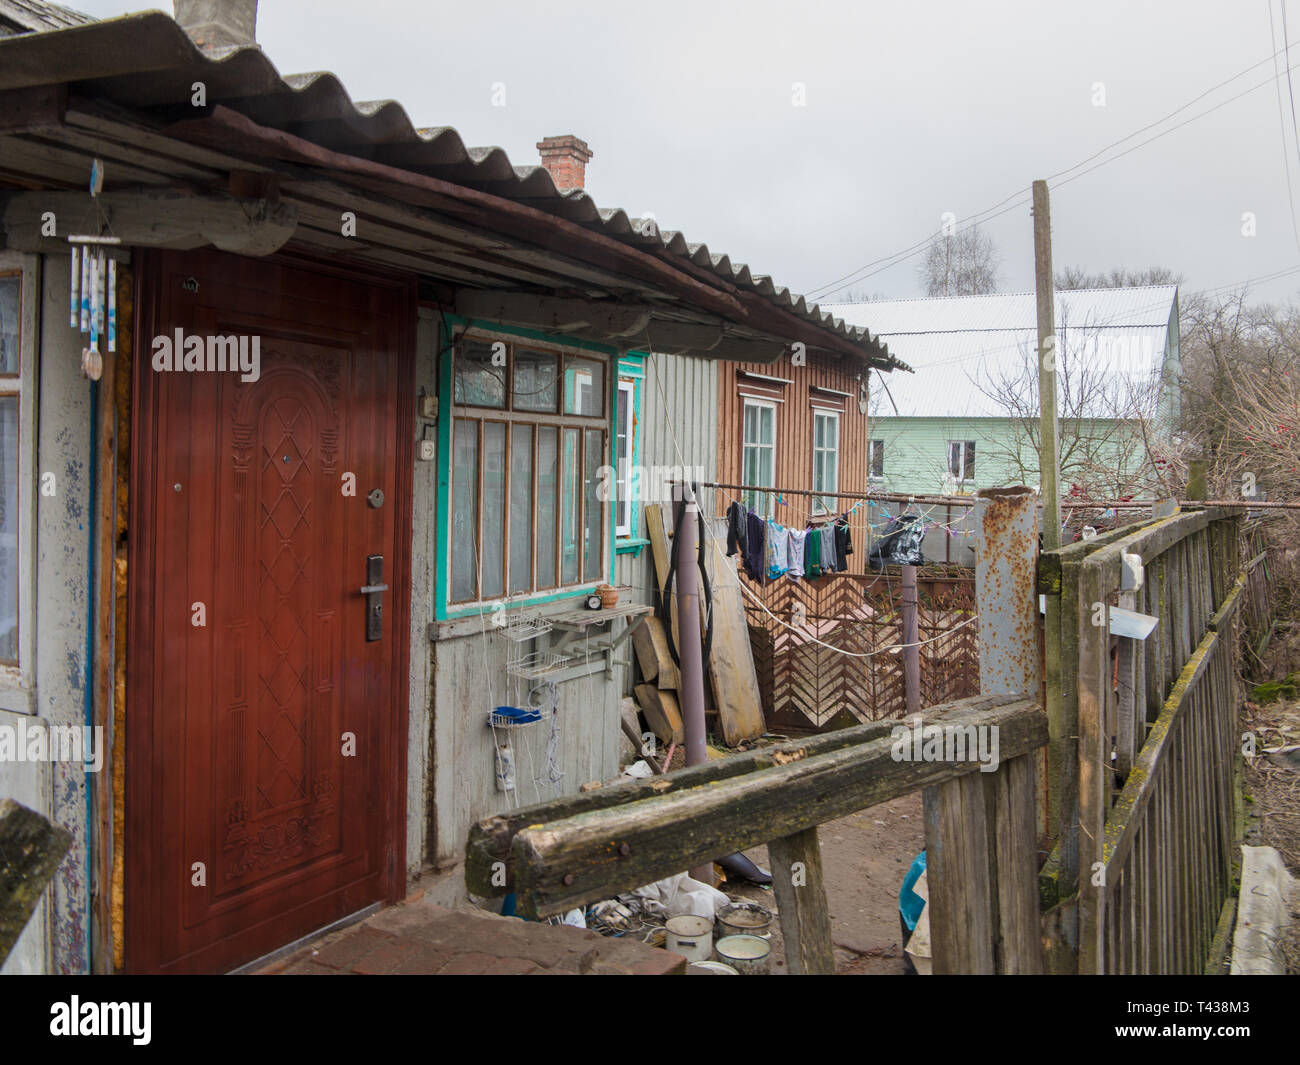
x=281, y=502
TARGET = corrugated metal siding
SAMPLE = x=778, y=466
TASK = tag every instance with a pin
x=679, y=425
x=794, y=434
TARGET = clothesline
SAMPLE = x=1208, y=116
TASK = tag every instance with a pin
x=866, y=525
x=927, y=499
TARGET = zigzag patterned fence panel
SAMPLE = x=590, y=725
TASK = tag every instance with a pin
x=802, y=626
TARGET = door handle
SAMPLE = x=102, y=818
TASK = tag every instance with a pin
x=374, y=590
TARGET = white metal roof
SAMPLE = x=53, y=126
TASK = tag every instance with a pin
x=963, y=347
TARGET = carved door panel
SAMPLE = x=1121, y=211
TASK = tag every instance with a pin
x=274, y=723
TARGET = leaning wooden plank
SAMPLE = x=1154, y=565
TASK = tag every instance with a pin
x=657, y=520
x=801, y=904
x=731, y=663
x=31, y=849
x=650, y=639
x=661, y=713
x=567, y=863
x=487, y=851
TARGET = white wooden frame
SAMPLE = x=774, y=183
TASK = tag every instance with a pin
x=17, y=681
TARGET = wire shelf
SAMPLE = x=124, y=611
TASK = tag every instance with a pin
x=538, y=664
x=524, y=627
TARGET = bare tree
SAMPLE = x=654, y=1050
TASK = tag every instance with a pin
x=1239, y=392
x=1072, y=277
x=961, y=263
x=1106, y=421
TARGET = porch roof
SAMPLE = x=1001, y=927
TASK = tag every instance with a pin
x=465, y=218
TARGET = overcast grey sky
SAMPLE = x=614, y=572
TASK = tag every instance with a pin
x=911, y=110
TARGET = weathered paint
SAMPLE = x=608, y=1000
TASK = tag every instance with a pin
x=458, y=679
x=794, y=433
x=1006, y=588
x=57, y=939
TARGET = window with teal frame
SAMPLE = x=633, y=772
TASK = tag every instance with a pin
x=526, y=425
x=627, y=453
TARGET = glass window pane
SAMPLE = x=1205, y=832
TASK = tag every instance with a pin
x=593, y=516
x=464, y=510
x=521, y=508
x=767, y=424
x=479, y=383
x=584, y=387
x=10, y=310
x=494, y=509
x=819, y=431
x=751, y=424
x=536, y=381
x=547, y=452
x=9, y=529
x=570, y=501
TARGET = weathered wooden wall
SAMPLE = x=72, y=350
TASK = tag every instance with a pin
x=794, y=433
x=469, y=678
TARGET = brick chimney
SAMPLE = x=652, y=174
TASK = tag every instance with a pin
x=565, y=159
x=218, y=23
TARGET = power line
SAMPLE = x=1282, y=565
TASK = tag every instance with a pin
x=1286, y=158
x=874, y=267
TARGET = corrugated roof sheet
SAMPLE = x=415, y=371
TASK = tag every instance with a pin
x=964, y=347
x=36, y=16
x=147, y=62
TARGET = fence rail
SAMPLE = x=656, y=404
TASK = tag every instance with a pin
x=808, y=687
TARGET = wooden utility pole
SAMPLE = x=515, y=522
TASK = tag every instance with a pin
x=1049, y=454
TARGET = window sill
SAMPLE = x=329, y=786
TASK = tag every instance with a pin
x=463, y=620
x=630, y=545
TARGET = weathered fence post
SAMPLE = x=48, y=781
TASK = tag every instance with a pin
x=911, y=647
x=981, y=858
x=801, y=900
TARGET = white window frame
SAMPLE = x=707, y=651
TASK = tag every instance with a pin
x=760, y=502
x=878, y=444
x=961, y=475
x=623, y=474
x=819, y=505
x=17, y=687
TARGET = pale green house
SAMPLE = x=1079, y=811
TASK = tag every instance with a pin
x=967, y=418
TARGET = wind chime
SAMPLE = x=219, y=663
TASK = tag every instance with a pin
x=92, y=304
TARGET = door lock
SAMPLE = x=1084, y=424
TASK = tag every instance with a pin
x=374, y=590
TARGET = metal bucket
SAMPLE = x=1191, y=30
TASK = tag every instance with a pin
x=690, y=936
x=748, y=955
x=744, y=919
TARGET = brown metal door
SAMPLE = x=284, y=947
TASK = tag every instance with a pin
x=266, y=730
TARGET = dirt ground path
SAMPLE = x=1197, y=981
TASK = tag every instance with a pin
x=864, y=858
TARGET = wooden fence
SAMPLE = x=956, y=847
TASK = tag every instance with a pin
x=1142, y=807
x=807, y=686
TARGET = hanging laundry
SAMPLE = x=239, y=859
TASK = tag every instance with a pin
x=737, y=529
x=778, y=549
x=797, y=537
x=843, y=543
x=829, y=562
x=755, y=535
x=812, y=553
